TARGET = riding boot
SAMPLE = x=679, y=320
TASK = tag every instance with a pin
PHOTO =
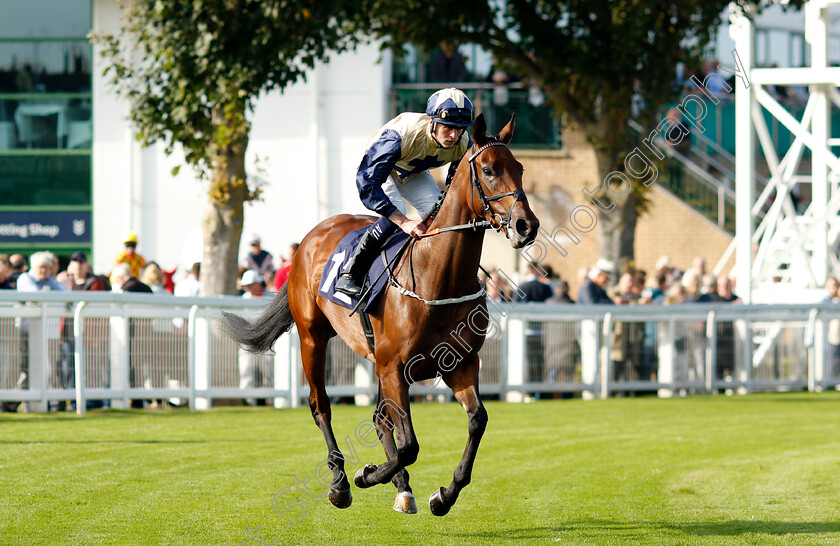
x=352, y=277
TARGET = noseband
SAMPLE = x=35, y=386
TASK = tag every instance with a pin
x=496, y=221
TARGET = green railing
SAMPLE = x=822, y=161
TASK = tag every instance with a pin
x=713, y=201
x=537, y=126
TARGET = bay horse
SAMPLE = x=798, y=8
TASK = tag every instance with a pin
x=486, y=190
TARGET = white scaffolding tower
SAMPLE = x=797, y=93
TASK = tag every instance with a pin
x=788, y=251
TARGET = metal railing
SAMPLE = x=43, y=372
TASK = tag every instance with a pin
x=98, y=348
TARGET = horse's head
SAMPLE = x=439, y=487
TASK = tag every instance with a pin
x=496, y=184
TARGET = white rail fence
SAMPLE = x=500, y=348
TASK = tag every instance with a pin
x=118, y=348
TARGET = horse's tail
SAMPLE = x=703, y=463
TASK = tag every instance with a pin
x=260, y=335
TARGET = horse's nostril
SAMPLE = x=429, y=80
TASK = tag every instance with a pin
x=522, y=227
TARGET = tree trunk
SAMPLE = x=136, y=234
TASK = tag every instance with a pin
x=616, y=217
x=224, y=214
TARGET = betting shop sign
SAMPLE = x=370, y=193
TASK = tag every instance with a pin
x=45, y=227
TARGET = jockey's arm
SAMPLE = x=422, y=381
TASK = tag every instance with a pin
x=378, y=162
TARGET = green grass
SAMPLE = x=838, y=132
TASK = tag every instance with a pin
x=761, y=469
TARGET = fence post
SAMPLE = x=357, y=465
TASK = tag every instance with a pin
x=711, y=350
x=589, y=351
x=119, y=357
x=503, y=357
x=79, y=356
x=362, y=377
x=817, y=363
x=198, y=330
x=38, y=358
x=282, y=377
x=294, y=367
x=744, y=354
x=667, y=355
x=606, y=362
x=515, y=360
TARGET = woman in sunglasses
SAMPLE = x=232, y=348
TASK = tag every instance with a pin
x=394, y=170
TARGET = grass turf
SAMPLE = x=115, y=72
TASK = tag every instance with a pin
x=760, y=469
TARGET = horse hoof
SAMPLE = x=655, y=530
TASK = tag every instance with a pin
x=361, y=474
x=437, y=505
x=405, y=503
x=341, y=498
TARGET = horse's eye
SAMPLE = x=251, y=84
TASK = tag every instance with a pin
x=488, y=172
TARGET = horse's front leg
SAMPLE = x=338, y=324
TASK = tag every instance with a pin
x=463, y=381
x=392, y=412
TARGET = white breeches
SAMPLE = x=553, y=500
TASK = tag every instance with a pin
x=419, y=190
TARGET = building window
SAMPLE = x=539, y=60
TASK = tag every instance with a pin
x=46, y=131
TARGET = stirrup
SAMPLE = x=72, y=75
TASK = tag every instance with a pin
x=346, y=284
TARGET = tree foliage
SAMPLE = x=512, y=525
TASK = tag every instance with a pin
x=192, y=71
x=590, y=57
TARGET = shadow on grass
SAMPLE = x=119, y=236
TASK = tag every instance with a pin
x=605, y=529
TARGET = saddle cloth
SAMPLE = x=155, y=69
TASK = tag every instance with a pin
x=340, y=257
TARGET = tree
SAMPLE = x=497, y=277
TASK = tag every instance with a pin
x=590, y=57
x=191, y=72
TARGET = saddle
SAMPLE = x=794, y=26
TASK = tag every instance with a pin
x=340, y=256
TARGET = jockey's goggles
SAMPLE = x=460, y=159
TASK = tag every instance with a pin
x=459, y=117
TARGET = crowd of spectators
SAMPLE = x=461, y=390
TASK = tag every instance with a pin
x=552, y=349
x=258, y=277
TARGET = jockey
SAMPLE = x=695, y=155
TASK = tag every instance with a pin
x=395, y=169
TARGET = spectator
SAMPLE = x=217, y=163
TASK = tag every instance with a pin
x=153, y=277
x=447, y=65
x=130, y=256
x=725, y=330
x=138, y=330
x=698, y=265
x=656, y=292
x=252, y=285
x=626, y=349
x=831, y=287
x=254, y=369
x=39, y=278
x=561, y=293
x=593, y=289
x=190, y=286
x=832, y=295
x=724, y=290
x=80, y=277
x=5, y=274
x=79, y=270
x=257, y=260
x=696, y=330
x=691, y=282
x=535, y=290
x=283, y=273
x=124, y=281
x=19, y=267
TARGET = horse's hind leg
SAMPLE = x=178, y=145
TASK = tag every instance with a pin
x=463, y=381
x=313, y=352
x=405, y=501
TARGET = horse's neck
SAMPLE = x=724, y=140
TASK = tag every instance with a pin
x=445, y=265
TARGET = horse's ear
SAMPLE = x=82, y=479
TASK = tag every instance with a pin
x=480, y=130
x=507, y=133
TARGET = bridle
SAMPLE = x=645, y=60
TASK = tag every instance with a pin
x=519, y=194
x=496, y=221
